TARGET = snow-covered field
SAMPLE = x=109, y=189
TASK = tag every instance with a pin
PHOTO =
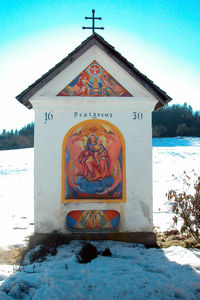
x=133, y=272
x=169, y=163
x=16, y=196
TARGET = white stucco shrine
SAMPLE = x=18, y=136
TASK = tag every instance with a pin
x=93, y=146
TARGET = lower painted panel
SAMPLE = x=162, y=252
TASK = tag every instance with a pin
x=93, y=219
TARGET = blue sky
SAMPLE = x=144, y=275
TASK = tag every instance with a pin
x=161, y=38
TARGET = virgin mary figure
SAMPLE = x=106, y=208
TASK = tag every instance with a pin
x=94, y=160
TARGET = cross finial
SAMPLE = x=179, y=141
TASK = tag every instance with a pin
x=93, y=25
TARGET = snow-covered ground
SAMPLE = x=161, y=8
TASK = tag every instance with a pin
x=133, y=272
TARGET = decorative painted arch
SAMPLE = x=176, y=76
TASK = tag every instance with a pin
x=93, y=163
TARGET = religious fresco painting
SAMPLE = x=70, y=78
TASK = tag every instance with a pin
x=93, y=163
x=93, y=219
x=95, y=81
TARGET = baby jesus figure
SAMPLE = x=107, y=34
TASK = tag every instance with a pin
x=100, y=150
x=102, y=159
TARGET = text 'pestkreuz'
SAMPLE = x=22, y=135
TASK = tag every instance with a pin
x=92, y=115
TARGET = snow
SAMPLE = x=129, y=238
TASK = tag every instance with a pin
x=176, y=142
x=169, y=165
x=16, y=196
x=132, y=272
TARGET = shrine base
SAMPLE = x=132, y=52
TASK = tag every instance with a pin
x=146, y=238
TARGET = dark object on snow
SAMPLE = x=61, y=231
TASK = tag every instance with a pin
x=87, y=253
x=106, y=252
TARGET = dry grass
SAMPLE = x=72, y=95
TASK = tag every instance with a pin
x=174, y=238
x=13, y=256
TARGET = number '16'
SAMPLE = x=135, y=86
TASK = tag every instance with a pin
x=48, y=116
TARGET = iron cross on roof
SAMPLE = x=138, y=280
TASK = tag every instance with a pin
x=93, y=26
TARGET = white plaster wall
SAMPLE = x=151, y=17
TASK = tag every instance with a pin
x=50, y=214
x=136, y=212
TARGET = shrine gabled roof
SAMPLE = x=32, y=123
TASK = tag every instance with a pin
x=95, y=39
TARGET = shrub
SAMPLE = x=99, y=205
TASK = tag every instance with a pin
x=186, y=206
x=40, y=253
x=87, y=253
x=47, y=245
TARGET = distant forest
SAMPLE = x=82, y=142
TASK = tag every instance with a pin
x=170, y=121
x=24, y=138
x=176, y=120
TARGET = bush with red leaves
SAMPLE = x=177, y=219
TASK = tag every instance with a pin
x=186, y=206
